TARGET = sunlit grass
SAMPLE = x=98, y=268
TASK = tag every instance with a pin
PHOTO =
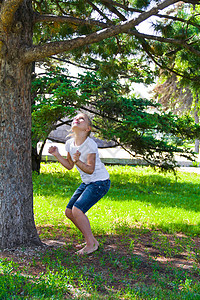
x=146, y=224
x=138, y=197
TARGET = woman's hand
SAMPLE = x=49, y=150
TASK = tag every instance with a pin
x=87, y=167
x=66, y=162
x=53, y=150
x=76, y=156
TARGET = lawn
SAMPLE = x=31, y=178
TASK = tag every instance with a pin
x=148, y=226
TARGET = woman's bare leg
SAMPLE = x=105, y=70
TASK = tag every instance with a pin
x=69, y=215
x=81, y=221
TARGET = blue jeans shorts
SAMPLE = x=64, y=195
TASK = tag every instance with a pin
x=87, y=195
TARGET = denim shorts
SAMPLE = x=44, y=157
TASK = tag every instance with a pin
x=87, y=195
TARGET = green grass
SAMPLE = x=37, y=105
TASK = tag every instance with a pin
x=138, y=197
x=147, y=224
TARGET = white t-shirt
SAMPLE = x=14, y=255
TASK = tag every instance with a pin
x=87, y=147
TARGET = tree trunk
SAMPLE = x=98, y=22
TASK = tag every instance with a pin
x=17, y=225
x=36, y=160
x=196, y=118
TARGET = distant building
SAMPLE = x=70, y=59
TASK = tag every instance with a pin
x=62, y=133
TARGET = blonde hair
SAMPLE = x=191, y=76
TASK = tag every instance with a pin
x=89, y=123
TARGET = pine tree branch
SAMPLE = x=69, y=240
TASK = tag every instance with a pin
x=131, y=9
x=72, y=63
x=163, y=66
x=40, y=52
x=68, y=20
x=8, y=9
x=194, y=2
x=182, y=43
x=99, y=11
x=113, y=9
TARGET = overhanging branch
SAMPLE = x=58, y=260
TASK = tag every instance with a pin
x=113, y=9
x=69, y=20
x=74, y=64
x=134, y=10
x=40, y=52
x=98, y=11
x=164, y=66
x=182, y=43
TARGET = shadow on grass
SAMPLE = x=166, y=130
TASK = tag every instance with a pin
x=134, y=262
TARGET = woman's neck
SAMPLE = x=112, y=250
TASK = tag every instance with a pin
x=79, y=139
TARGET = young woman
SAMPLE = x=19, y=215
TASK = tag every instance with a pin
x=82, y=152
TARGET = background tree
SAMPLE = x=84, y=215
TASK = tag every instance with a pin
x=178, y=87
x=59, y=27
x=178, y=99
x=138, y=125
x=59, y=94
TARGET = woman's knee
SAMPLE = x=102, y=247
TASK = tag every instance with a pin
x=76, y=212
x=68, y=213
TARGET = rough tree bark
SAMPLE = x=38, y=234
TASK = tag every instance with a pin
x=16, y=198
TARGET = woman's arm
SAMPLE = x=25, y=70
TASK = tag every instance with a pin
x=85, y=167
x=66, y=162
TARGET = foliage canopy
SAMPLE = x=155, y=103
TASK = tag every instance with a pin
x=136, y=124
x=139, y=125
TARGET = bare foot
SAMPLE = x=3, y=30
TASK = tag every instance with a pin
x=80, y=245
x=88, y=249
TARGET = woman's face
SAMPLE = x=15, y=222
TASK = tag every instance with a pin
x=81, y=122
